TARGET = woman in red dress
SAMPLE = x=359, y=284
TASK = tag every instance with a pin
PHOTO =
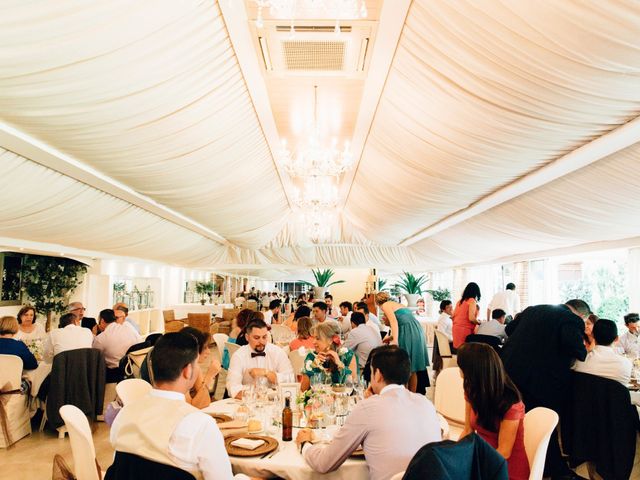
x=494, y=406
x=465, y=316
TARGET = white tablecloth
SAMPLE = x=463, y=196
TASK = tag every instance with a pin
x=429, y=327
x=37, y=376
x=287, y=463
x=181, y=310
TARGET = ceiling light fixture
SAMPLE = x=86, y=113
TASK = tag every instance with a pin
x=318, y=192
x=311, y=158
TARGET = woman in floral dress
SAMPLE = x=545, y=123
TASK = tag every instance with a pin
x=329, y=356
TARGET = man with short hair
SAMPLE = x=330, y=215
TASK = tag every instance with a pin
x=113, y=342
x=332, y=311
x=68, y=336
x=371, y=320
x=77, y=308
x=389, y=441
x=603, y=361
x=495, y=326
x=445, y=323
x=344, y=320
x=258, y=358
x=507, y=300
x=361, y=339
x=544, y=343
x=319, y=312
x=122, y=307
x=629, y=340
x=274, y=310
x=186, y=438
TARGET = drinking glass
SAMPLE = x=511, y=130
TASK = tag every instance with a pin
x=348, y=385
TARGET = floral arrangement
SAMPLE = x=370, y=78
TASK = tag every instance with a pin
x=307, y=398
x=35, y=347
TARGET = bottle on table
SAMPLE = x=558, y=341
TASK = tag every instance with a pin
x=287, y=420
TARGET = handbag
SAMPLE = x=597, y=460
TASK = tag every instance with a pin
x=133, y=362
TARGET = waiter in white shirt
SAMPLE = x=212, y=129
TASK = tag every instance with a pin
x=628, y=342
x=258, y=358
x=508, y=300
x=392, y=424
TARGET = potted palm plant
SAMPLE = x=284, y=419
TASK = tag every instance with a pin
x=412, y=287
x=323, y=281
x=204, y=288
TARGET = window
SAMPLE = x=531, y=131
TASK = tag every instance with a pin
x=11, y=279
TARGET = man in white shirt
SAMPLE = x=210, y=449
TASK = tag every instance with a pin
x=332, y=311
x=113, y=342
x=274, y=309
x=392, y=424
x=258, y=358
x=508, y=300
x=629, y=340
x=495, y=326
x=121, y=319
x=68, y=336
x=122, y=307
x=319, y=312
x=344, y=320
x=186, y=438
x=371, y=320
x=445, y=324
x=361, y=339
x=603, y=361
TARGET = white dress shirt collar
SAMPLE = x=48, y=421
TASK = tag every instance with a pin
x=168, y=394
x=393, y=386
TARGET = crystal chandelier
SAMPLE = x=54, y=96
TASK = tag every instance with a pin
x=311, y=158
x=287, y=9
x=318, y=192
x=318, y=225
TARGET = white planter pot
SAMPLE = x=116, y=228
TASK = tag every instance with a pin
x=318, y=293
x=412, y=299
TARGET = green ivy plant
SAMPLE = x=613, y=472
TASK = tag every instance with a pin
x=323, y=278
x=411, y=284
x=48, y=282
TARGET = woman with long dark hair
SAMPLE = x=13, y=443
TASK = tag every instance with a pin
x=494, y=407
x=465, y=315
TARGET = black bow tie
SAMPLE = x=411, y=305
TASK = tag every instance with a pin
x=258, y=354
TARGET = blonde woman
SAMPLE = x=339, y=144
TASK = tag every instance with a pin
x=406, y=333
x=329, y=356
x=10, y=346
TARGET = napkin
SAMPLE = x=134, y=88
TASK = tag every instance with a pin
x=232, y=424
x=247, y=443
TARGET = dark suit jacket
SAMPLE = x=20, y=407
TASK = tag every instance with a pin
x=127, y=466
x=540, y=351
x=471, y=458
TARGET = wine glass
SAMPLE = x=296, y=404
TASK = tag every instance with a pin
x=348, y=385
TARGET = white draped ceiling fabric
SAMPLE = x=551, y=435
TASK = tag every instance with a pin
x=150, y=95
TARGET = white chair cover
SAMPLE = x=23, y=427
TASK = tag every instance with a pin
x=448, y=359
x=220, y=339
x=539, y=424
x=16, y=404
x=281, y=333
x=449, y=396
x=84, y=452
x=297, y=361
x=232, y=348
x=132, y=389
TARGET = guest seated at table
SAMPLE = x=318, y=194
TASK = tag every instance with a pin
x=273, y=313
x=445, y=324
x=320, y=315
x=495, y=326
x=185, y=438
x=304, y=339
x=344, y=319
x=391, y=425
x=252, y=315
x=494, y=407
x=332, y=311
x=10, y=346
x=361, y=339
x=301, y=311
x=329, y=357
x=28, y=330
x=122, y=307
x=68, y=336
x=257, y=359
x=629, y=342
x=589, y=341
x=77, y=308
x=198, y=395
x=420, y=304
x=113, y=342
x=371, y=321
x=237, y=326
x=603, y=361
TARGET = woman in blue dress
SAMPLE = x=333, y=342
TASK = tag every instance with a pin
x=406, y=333
x=329, y=356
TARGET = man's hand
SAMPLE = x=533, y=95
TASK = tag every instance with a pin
x=304, y=435
x=257, y=372
x=368, y=392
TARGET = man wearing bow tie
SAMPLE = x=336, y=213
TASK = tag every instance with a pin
x=258, y=358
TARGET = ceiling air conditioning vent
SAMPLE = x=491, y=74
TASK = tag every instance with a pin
x=313, y=55
x=313, y=28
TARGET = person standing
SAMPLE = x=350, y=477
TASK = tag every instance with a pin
x=465, y=315
x=507, y=300
x=407, y=333
x=538, y=356
x=445, y=324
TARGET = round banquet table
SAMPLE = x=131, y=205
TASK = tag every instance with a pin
x=37, y=376
x=287, y=462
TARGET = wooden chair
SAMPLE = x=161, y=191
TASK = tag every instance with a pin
x=170, y=322
x=228, y=314
x=201, y=321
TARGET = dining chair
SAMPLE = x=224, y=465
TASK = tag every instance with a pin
x=448, y=359
x=84, y=452
x=297, y=361
x=232, y=348
x=449, y=396
x=220, y=339
x=132, y=389
x=280, y=333
x=539, y=424
x=16, y=405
